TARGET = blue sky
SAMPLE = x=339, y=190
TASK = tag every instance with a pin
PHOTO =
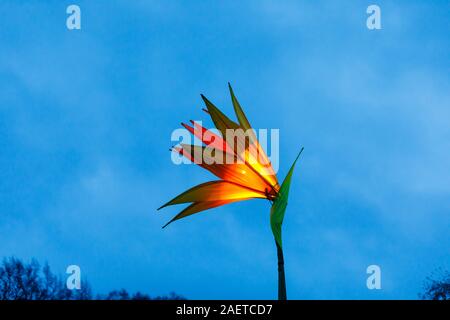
x=86, y=118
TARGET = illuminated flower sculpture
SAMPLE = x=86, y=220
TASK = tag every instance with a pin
x=235, y=156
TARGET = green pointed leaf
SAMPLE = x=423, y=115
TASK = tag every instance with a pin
x=242, y=119
x=279, y=205
x=220, y=120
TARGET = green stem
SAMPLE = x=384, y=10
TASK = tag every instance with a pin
x=281, y=277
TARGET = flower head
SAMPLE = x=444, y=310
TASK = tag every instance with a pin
x=235, y=156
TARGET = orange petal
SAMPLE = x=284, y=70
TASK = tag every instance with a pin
x=198, y=207
x=208, y=137
x=258, y=160
x=211, y=139
x=216, y=191
x=253, y=155
x=239, y=173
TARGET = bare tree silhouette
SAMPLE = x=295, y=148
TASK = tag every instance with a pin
x=21, y=281
x=437, y=286
x=28, y=281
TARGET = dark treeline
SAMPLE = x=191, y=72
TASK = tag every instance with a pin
x=30, y=281
x=437, y=286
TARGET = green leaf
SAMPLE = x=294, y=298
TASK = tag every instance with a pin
x=220, y=120
x=279, y=205
x=242, y=119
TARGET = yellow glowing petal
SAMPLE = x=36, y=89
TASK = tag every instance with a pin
x=216, y=191
x=263, y=167
x=254, y=156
